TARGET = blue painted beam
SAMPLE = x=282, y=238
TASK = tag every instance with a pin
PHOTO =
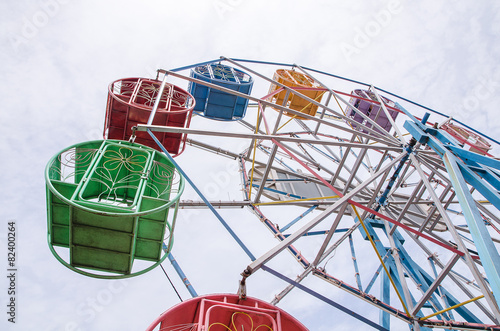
x=281, y=192
x=487, y=190
x=468, y=156
x=469, y=169
x=416, y=131
x=298, y=218
x=419, y=275
x=376, y=274
x=488, y=253
x=382, y=250
x=182, y=276
x=385, y=289
x=205, y=200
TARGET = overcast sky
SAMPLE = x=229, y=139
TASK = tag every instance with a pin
x=58, y=57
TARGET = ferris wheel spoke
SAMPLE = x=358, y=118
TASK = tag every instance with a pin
x=337, y=243
x=413, y=198
x=433, y=236
x=329, y=154
x=341, y=164
x=173, y=129
x=251, y=127
x=423, y=280
x=306, y=157
x=396, y=250
x=266, y=173
x=212, y=149
x=323, y=112
x=354, y=170
x=487, y=212
x=432, y=160
x=433, y=212
x=299, y=233
x=331, y=232
x=437, y=282
x=376, y=192
x=290, y=287
x=398, y=215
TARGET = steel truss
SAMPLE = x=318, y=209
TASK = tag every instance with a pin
x=414, y=211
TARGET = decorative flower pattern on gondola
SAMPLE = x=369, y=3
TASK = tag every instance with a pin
x=148, y=92
x=124, y=88
x=124, y=157
x=72, y=163
x=239, y=326
x=161, y=178
x=112, y=187
x=222, y=72
x=120, y=170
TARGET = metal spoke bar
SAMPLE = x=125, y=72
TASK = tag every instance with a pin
x=362, y=295
x=318, y=219
x=219, y=217
x=444, y=272
x=458, y=279
x=173, y=129
x=233, y=155
x=265, y=174
x=325, y=299
x=181, y=274
x=240, y=204
x=329, y=235
x=286, y=290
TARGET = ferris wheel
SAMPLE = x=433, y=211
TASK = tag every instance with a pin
x=369, y=193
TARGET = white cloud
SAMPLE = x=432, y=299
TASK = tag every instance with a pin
x=59, y=57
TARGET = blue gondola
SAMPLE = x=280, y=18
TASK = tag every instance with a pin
x=216, y=104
